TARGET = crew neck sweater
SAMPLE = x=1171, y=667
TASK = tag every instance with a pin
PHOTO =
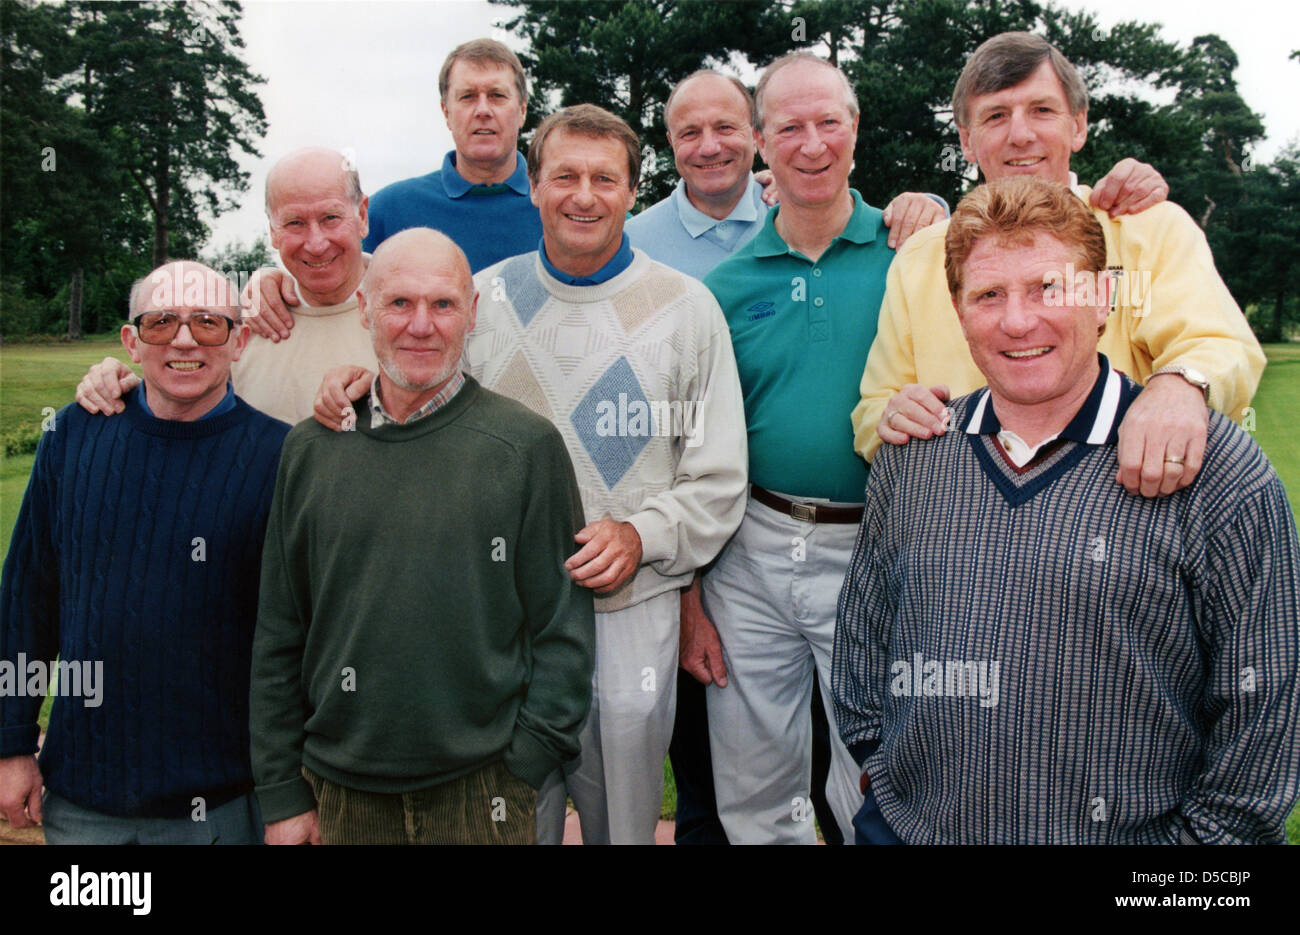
x=416, y=622
x=638, y=375
x=138, y=546
x=281, y=378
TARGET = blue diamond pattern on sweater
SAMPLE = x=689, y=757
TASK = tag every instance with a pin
x=613, y=454
x=524, y=291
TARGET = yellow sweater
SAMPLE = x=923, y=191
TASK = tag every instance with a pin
x=1172, y=308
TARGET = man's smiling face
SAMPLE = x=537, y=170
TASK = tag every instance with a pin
x=583, y=192
x=183, y=378
x=708, y=128
x=1034, y=348
x=808, y=134
x=317, y=228
x=1026, y=129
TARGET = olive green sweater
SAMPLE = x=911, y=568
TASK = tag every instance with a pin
x=415, y=621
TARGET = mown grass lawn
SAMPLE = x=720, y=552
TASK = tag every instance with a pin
x=36, y=376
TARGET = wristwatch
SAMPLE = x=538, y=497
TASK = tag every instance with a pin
x=1194, y=377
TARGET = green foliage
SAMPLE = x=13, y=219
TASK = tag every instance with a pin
x=57, y=176
x=904, y=57
x=168, y=82
x=120, y=124
x=21, y=441
x=21, y=312
x=627, y=56
x=1257, y=243
x=238, y=257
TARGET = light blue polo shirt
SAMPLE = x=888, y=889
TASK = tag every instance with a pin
x=801, y=331
x=680, y=235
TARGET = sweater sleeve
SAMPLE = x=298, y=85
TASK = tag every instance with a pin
x=1192, y=320
x=558, y=616
x=278, y=707
x=683, y=528
x=1251, y=703
x=890, y=362
x=29, y=595
x=860, y=658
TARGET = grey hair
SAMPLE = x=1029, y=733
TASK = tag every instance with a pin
x=736, y=83
x=793, y=58
x=140, y=289
x=351, y=183
x=1006, y=60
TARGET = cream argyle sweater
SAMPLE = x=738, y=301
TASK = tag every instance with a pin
x=639, y=376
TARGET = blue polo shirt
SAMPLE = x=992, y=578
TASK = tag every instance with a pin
x=226, y=404
x=613, y=266
x=488, y=222
x=680, y=235
x=801, y=331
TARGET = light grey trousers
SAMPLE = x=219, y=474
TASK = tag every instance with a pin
x=617, y=781
x=773, y=594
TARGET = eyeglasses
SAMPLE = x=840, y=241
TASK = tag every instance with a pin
x=207, y=328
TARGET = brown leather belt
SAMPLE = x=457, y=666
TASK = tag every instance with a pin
x=806, y=512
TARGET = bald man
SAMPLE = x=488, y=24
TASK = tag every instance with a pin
x=417, y=679
x=134, y=562
x=317, y=216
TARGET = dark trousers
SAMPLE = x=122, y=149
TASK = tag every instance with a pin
x=697, y=810
x=869, y=826
x=490, y=806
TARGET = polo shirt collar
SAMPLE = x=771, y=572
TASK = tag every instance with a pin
x=697, y=222
x=862, y=228
x=457, y=186
x=1096, y=422
x=613, y=266
x=226, y=404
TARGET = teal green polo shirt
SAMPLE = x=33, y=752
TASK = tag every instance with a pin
x=801, y=331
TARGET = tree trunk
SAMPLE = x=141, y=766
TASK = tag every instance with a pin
x=74, y=306
x=1277, y=317
x=162, y=197
x=1209, y=209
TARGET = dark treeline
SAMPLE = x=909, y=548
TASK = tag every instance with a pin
x=120, y=123
x=904, y=57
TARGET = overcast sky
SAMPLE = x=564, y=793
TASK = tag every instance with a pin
x=364, y=75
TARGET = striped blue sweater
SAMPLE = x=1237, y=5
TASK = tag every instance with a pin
x=1041, y=657
x=139, y=546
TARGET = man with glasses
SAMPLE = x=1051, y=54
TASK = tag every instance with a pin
x=135, y=564
x=317, y=216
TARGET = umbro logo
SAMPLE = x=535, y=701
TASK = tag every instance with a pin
x=760, y=310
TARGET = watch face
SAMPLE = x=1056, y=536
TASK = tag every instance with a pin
x=1195, y=376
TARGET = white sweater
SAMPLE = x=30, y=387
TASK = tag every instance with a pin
x=638, y=375
x=282, y=379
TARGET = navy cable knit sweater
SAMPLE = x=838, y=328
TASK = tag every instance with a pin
x=139, y=546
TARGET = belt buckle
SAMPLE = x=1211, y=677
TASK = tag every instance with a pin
x=804, y=512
